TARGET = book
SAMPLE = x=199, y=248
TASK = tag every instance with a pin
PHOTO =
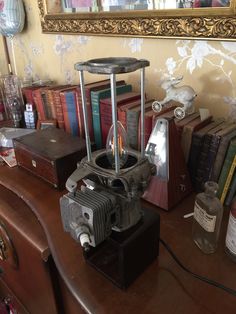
x=180, y=123
x=222, y=150
x=203, y=157
x=27, y=93
x=95, y=86
x=232, y=191
x=58, y=105
x=196, y=147
x=230, y=155
x=70, y=111
x=213, y=149
x=96, y=96
x=39, y=104
x=50, y=100
x=228, y=180
x=188, y=129
x=132, y=117
x=106, y=111
x=122, y=111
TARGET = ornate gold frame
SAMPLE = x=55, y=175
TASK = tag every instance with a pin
x=207, y=23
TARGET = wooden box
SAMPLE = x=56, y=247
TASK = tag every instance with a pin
x=50, y=154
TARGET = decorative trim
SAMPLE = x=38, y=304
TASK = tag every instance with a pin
x=150, y=25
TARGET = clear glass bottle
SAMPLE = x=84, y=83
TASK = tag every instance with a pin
x=230, y=241
x=208, y=212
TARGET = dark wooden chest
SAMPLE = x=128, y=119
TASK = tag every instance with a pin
x=50, y=154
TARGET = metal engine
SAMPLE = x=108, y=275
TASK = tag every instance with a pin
x=106, y=202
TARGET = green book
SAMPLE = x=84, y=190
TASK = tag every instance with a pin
x=226, y=166
x=96, y=96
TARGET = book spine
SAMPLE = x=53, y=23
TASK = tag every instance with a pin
x=28, y=95
x=232, y=190
x=106, y=120
x=58, y=109
x=95, y=102
x=224, y=144
x=121, y=116
x=211, y=157
x=226, y=167
x=71, y=114
x=45, y=104
x=202, y=161
x=50, y=102
x=132, y=128
x=39, y=105
x=228, y=180
x=194, y=154
x=65, y=112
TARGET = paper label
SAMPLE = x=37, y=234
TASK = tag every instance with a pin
x=206, y=221
x=231, y=234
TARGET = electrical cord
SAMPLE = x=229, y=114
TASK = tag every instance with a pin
x=204, y=279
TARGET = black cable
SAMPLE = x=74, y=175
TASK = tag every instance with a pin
x=207, y=280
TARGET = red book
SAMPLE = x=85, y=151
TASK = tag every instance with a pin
x=95, y=86
x=50, y=100
x=58, y=105
x=38, y=100
x=122, y=111
x=106, y=111
x=28, y=96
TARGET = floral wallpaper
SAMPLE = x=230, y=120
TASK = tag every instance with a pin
x=207, y=66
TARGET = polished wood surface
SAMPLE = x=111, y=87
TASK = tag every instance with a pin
x=162, y=288
x=28, y=275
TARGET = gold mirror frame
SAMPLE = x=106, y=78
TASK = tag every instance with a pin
x=206, y=23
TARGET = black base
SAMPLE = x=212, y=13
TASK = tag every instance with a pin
x=125, y=255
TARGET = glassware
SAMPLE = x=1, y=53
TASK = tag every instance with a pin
x=122, y=144
x=230, y=242
x=13, y=100
x=208, y=212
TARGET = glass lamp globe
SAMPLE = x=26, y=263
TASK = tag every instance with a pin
x=122, y=145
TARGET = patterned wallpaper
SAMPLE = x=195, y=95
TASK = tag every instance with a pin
x=208, y=66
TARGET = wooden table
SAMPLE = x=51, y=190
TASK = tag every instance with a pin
x=163, y=288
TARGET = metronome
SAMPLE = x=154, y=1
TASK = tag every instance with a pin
x=171, y=182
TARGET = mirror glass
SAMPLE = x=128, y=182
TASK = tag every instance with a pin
x=82, y=6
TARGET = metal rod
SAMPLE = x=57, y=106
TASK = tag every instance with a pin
x=85, y=115
x=114, y=121
x=142, y=77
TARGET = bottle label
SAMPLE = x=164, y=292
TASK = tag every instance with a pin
x=231, y=234
x=206, y=221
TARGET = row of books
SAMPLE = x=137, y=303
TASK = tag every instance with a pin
x=212, y=157
x=205, y=143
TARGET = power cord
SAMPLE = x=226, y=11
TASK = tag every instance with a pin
x=207, y=280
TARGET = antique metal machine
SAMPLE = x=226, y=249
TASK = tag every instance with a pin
x=118, y=236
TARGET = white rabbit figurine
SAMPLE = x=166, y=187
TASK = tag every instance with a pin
x=183, y=94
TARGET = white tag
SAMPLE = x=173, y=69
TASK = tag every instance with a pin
x=231, y=234
x=204, y=113
x=205, y=220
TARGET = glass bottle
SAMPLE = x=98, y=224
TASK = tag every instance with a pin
x=230, y=241
x=208, y=212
